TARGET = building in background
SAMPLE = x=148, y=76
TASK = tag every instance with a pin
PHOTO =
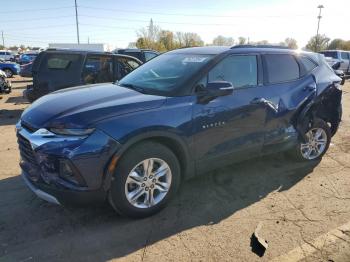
x=89, y=47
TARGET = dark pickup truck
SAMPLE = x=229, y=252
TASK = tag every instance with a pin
x=56, y=69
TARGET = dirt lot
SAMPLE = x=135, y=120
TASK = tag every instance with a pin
x=305, y=211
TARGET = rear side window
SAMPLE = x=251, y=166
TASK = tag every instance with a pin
x=281, y=68
x=344, y=55
x=240, y=70
x=149, y=55
x=61, y=61
x=308, y=64
x=2, y=53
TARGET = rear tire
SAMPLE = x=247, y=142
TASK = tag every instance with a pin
x=318, y=140
x=146, y=178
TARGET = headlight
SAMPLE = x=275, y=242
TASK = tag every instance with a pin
x=72, y=131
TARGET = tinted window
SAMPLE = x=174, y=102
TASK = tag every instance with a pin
x=332, y=54
x=281, y=68
x=125, y=66
x=57, y=61
x=98, y=69
x=307, y=63
x=149, y=55
x=241, y=71
x=2, y=53
x=344, y=55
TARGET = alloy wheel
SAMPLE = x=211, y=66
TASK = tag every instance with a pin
x=316, y=142
x=148, y=183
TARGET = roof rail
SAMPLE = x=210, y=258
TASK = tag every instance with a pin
x=260, y=46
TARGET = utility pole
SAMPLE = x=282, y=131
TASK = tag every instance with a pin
x=318, y=26
x=76, y=20
x=3, y=40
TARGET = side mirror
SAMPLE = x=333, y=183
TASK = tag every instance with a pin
x=219, y=88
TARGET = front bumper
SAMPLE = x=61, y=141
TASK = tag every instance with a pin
x=41, y=194
x=43, y=153
x=60, y=196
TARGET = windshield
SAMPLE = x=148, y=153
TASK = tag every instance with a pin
x=165, y=73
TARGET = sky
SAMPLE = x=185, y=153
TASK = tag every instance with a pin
x=116, y=22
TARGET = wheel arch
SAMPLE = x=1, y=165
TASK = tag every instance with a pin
x=171, y=141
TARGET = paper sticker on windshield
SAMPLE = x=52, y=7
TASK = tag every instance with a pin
x=194, y=59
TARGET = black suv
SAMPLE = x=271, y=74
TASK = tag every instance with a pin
x=143, y=55
x=181, y=114
x=56, y=69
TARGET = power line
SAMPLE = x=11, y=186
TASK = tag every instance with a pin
x=39, y=18
x=190, y=15
x=34, y=10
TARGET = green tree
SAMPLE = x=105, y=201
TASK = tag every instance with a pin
x=223, y=41
x=291, y=43
x=318, y=43
x=242, y=40
x=166, y=38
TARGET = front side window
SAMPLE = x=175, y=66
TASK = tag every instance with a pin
x=98, y=69
x=164, y=74
x=149, y=55
x=240, y=70
x=125, y=66
x=281, y=68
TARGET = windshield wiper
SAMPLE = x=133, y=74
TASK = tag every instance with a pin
x=133, y=87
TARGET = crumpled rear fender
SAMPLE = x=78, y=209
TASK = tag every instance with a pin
x=326, y=106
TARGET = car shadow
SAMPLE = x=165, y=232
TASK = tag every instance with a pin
x=10, y=116
x=33, y=228
x=17, y=100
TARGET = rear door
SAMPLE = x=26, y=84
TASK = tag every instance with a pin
x=57, y=70
x=288, y=83
x=97, y=69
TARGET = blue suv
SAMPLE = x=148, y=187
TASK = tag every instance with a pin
x=181, y=114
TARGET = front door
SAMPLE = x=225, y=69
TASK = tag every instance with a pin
x=230, y=128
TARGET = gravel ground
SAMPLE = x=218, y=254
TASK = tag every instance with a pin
x=304, y=210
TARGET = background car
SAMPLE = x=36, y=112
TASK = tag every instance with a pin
x=335, y=56
x=10, y=68
x=27, y=57
x=56, y=69
x=7, y=55
x=143, y=55
x=26, y=70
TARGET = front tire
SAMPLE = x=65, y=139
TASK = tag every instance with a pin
x=146, y=178
x=8, y=73
x=318, y=138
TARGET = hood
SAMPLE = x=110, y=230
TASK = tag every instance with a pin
x=81, y=107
